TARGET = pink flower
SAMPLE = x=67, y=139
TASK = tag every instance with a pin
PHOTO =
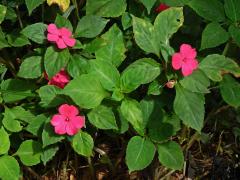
x=185, y=60
x=62, y=37
x=60, y=80
x=67, y=121
x=161, y=8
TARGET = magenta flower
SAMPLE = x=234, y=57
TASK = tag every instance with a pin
x=62, y=37
x=61, y=79
x=161, y=8
x=67, y=121
x=185, y=60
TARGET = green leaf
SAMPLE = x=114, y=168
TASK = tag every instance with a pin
x=36, y=125
x=106, y=73
x=31, y=67
x=3, y=10
x=235, y=34
x=15, y=89
x=232, y=9
x=3, y=41
x=49, y=96
x=114, y=50
x=17, y=40
x=155, y=88
x=140, y=153
x=35, y=32
x=5, y=142
x=106, y=8
x=103, y=117
x=77, y=66
x=213, y=35
x=197, y=82
x=10, y=122
x=29, y=152
x=126, y=20
x=170, y=155
x=49, y=136
x=31, y=5
x=83, y=144
x=86, y=91
x=148, y=4
x=90, y=26
x=144, y=35
x=230, y=91
x=61, y=21
x=48, y=153
x=55, y=60
x=131, y=111
x=189, y=107
x=142, y=71
x=166, y=24
x=214, y=65
x=9, y=168
x=211, y=10
x=20, y=113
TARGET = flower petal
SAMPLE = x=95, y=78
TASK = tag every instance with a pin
x=186, y=69
x=70, y=129
x=52, y=28
x=68, y=110
x=65, y=32
x=69, y=41
x=57, y=120
x=61, y=44
x=60, y=129
x=78, y=121
x=177, y=61
x=52, y=37
x=193, y=63
x=187, y=51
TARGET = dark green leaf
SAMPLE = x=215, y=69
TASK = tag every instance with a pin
x=32, y=4
x=48, y=153
x=232, y=9
x=77, y=66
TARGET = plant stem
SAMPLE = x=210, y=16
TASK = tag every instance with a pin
x=76, y=6
x=226, y=48
x=19, y=18
x=91, y=168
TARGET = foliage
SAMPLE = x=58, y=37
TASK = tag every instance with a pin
x=119, y=73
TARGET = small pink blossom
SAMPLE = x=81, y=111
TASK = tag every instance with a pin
x=61, y=79
x=67, y=121
x=161, y=8
x=185, y=60
x=170, y=84
x=62, y=37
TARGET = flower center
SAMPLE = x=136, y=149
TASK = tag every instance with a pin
x=60, y=36
x=67, y=119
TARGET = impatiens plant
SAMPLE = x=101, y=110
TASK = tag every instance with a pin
x=75, y=72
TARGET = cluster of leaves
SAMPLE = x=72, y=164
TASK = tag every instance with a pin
x=119, y=68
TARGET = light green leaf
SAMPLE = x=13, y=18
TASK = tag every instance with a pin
x=102, y=117
x=77, y=66
x=10, y=122
x=49, y=137
x=230, y=91
x=214, y=65
x=189, y=107
x=83, y=144
x=211, y=10
x=148, y=4
x=170, y=155
x=48, y=153
x=31, y=67
x=106, y=73
x=106, y=8
x=196, y=82
x=3, y=10
x=29, y=152
x=232, y=9
x=213, y=35
x=131, y=111
x=9, y=168
x=36, y=32
x=142, y=71
x=4, y=141
x=90, y=26
x=86, y=91
x=32, y=4
x=36, y=125
x=140, y=153
x=126, y=20
x=55, y=60
x=114, y=50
